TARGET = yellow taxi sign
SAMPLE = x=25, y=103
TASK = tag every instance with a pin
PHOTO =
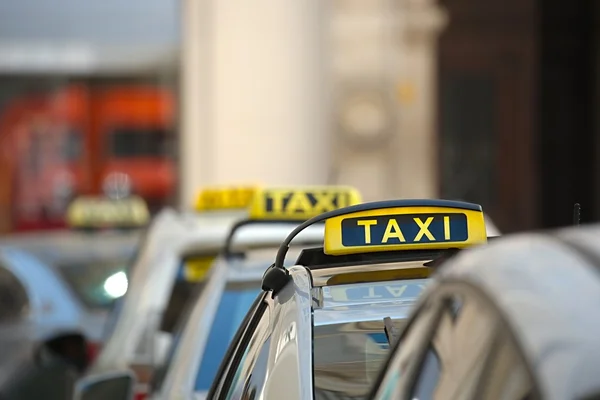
x=405, y=225
x=225, y=198
x=298, y=204
x=99, y=212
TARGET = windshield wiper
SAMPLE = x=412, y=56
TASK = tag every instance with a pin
x=391, y=333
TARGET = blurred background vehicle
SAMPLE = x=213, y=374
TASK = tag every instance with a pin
x=94, y=267
x=79, y=140
x=47, y=333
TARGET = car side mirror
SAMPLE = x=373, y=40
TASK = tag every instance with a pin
x=111, y=385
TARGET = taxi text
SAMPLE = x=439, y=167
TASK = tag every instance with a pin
x=225, y=198
x=372, y=292
x=314, y=202
x=108, y=213
x=404, y=229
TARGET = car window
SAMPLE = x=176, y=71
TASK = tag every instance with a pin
x=183, y=292
x=248, y=366
x=235, y=303
x=348, y=352
x=407, y=350
x=455, y=356
x=97, y=284
x=352, y=351
x=507, y=377
x=14, y=301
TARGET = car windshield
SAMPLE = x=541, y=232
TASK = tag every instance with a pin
x=233, y=307
x=348, y=355
x=97, y=284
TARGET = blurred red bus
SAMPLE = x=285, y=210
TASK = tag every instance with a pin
x=83, y=140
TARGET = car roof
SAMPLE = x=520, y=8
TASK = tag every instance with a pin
x=273, y=234
x=71, y=247
x=545, y=289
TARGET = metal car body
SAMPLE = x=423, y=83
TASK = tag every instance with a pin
x=515, y=320
x=133, y=331
x=136, y=340
x=134, y=335
x=317, y=330
x=230, y=290
x=235, y=281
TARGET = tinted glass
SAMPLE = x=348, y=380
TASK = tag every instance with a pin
x=347, y=358
x=240, y=387
x=406, y=352
x=507, y=377
x=97, y=285
x=233, y=307
x=183, y=293
x=137, y=142
x=355, y=351
x=457, y=353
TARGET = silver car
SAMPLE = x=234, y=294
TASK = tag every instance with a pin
x=515, y=320
x=232, y=287
x=321, y=328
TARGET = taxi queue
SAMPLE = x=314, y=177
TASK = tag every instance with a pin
x=308, y=293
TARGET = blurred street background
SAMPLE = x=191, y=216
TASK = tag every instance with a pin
x=484, y=101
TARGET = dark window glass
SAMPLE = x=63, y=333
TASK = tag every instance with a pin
x=507, y=377
x=349, y=352
x=233, y=307
x=456, y=355
x=138, y=142
x=242, y=383
x=14, y=302
x=183, y=294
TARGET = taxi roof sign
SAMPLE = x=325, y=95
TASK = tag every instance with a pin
x=404, y=225
x=225, y=198
x=301, y=203
x=101, y=212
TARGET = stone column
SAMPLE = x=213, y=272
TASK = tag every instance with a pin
x=253, y=93
x=384, y=85
x=421, y=22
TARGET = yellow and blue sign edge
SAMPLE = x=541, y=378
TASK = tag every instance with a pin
x=300, y=203
x=404, y=225
x=233, y=197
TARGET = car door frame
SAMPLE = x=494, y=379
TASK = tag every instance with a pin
x=232, y=357
x=438, y=299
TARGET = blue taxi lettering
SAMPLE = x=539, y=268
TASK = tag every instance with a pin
x=372, y=292
x=303, y=202
x=404, y=229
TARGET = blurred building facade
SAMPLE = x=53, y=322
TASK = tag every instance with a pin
x=86, y=91
x=481, y=101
